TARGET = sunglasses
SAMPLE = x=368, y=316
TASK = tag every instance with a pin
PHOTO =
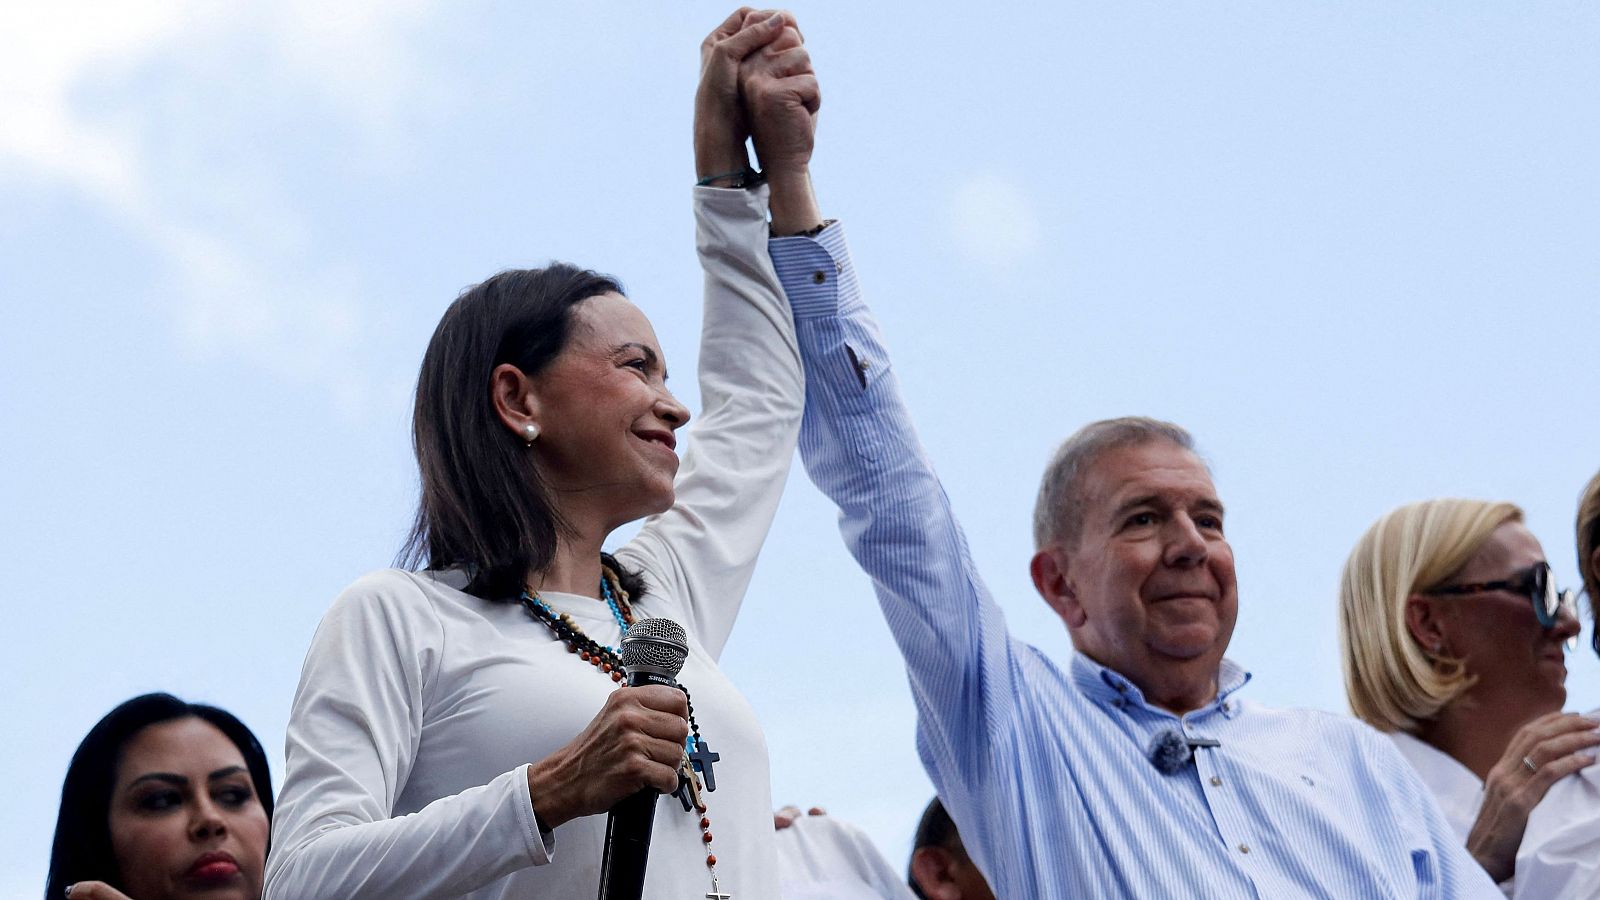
x=1537, y=584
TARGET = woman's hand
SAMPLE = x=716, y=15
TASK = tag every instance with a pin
x=635, y=742
x=1556, y=744
x=720, y=125
x=95, y=890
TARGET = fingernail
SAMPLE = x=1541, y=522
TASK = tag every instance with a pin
x=775, y=19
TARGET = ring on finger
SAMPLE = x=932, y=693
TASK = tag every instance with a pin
x=1530, y=765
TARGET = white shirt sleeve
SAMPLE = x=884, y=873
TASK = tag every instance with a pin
x=823, y=858
x=351, y=742
x=740, y=447
x=1560, y=852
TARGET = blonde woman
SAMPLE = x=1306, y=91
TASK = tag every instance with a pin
x=1452, y=634
x=1560, y=856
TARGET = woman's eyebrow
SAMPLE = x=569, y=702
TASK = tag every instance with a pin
x=170, y=778
x=225, y=772
x=649, y=353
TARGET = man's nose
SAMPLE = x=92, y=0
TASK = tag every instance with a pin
x=1185, y=545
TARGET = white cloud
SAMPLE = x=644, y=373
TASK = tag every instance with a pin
x=992, y=220
x=222, y=227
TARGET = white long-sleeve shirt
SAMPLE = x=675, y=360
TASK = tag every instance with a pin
x=420, y=707
x=1560, y=852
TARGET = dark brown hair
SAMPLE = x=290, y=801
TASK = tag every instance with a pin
x=82, y=848
x=484, y=505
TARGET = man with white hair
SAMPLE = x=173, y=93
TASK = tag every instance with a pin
x=1134, y=769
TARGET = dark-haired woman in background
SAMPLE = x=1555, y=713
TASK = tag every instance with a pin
x=458, y=730
x=1560, y=855
x=163, y=800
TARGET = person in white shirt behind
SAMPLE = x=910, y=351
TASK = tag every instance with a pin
x=1560, y=855
x=821, y=857
x=1452, y=631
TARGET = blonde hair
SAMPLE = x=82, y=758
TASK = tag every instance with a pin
x=1392, y=682
x=1589, y=538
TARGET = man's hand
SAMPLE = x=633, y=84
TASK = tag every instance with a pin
x=720, y=124
x=781, y=98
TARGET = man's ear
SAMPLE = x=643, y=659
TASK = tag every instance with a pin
x=515, y=400
x=1422, y=621
x=933, y=869
x=1049, y=568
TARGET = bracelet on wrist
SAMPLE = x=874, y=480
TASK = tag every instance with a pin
x=811, y=232
x=743, y=178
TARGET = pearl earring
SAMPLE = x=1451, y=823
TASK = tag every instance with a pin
x=530, y=433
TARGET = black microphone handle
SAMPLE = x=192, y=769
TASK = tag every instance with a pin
x=629, y=824
x=628, y=828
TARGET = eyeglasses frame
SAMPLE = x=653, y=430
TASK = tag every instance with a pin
x=1525, y=585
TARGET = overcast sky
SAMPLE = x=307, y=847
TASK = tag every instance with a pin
x=1351, y=245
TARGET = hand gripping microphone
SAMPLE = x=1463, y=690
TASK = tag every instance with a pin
x=652, y=653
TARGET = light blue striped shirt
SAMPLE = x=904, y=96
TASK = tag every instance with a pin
x=1044, y=767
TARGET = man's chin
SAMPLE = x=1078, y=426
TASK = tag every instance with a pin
x=1189, y=644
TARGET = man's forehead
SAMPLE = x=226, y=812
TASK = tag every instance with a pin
x=1158, y=470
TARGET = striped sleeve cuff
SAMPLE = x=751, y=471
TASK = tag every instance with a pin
x=814, y=271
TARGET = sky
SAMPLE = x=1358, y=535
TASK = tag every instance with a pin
x=1350, y=245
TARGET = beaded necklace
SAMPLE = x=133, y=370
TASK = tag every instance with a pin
x=606, y=660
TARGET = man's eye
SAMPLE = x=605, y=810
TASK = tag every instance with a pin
x=1209, y=522
x=1141, y=519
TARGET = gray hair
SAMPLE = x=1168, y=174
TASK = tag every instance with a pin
x=1058, y=513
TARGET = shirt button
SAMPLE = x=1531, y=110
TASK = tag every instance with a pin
x=1216, y=781
x=1244, y=848
x=819, y=277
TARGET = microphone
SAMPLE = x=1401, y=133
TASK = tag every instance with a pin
x=652, y=653
x=1170, y=751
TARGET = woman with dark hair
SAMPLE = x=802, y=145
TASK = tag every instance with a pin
x=163, y=799
x=458, y=730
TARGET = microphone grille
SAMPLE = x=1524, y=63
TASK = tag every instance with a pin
x=657, y=643
x=1169, y=752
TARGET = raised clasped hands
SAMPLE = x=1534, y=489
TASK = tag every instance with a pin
x=781, y=99
x=757, y=82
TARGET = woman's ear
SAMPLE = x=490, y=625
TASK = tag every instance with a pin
x=515, y=401
x=1423, y=621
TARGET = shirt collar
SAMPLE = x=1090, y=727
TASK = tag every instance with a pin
x=1100, y=683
